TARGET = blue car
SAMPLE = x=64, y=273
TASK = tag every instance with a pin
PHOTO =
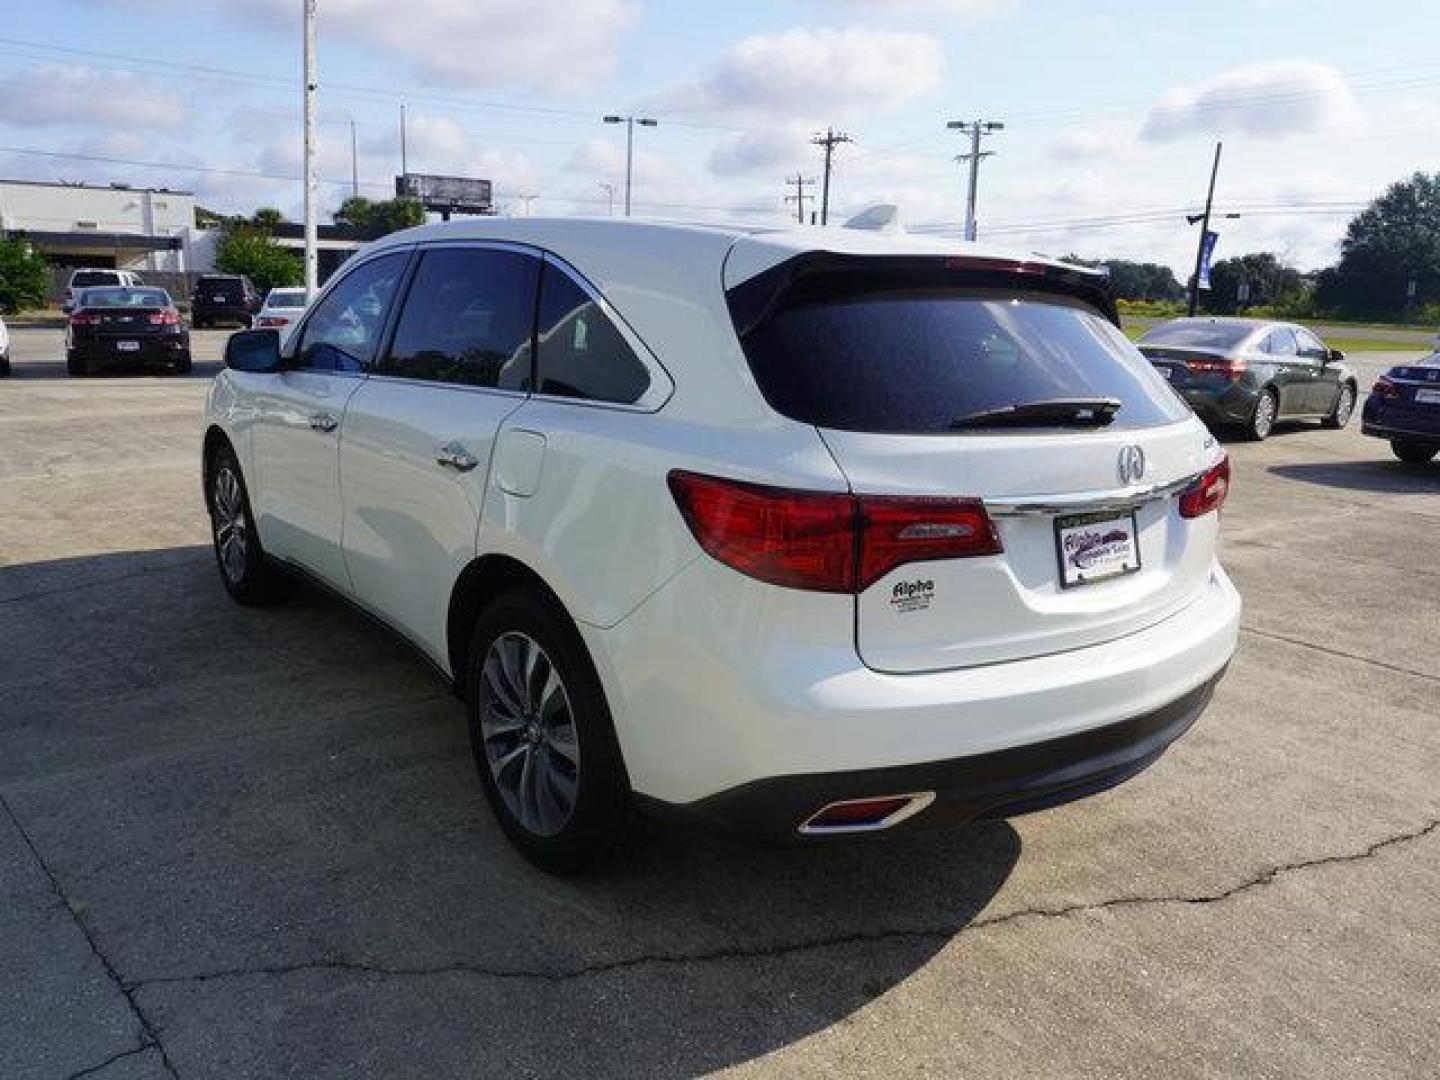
x=1404, y=407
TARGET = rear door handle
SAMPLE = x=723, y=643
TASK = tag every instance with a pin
x=454, y=456
x=321, y=421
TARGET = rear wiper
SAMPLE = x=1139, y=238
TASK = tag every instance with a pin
x=1089, y=412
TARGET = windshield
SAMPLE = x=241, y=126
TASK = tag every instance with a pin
x=94, y=277
x=121, y=298
x=1198, y=335
x=285, y=298
x=919, y=360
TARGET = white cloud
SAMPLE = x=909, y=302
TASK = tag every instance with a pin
x=962, y=11
x=774, y=150
x=1084, y=144
x=72, y=94
x=1274, y=100
x=816, y=73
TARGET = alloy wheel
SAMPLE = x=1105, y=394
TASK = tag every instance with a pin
x=1264, y=415
x=1345, y=407
x=528, y=729
x=231, y=531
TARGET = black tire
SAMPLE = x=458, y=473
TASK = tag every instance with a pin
x=594, y=781
x=199, y=324
x=1262, y=417
x=1344, y=408
x=1414, y=453
x=74, y=366
x=4, y=367
x=246, y=572
x=185, y=364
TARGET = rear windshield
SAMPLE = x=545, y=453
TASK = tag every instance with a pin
x=1198, y=335
x=219, y=282
x=917, y=360
x=83, y=278
x=285, y=298
x=125, y=298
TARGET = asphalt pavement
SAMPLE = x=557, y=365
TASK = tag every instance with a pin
x=240, y=843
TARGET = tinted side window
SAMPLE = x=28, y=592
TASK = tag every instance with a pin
x=467, y=319
x=343, y=332
x=582, y=353
x=1281, y=343
x=1311, y=347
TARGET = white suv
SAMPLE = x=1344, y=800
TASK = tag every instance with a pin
x=812, y=532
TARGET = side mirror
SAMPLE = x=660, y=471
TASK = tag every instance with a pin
x=1333, y=356
x=253, y=350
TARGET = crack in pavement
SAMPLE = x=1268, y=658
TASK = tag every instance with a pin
x=1339, y=652
x=147, y=1029
x=360, y=967
x=91, y=1070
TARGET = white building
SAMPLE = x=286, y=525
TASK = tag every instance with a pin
x=129, y=228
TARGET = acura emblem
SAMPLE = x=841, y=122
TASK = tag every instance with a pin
x=1131, y=465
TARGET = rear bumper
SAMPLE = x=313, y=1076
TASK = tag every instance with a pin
x=1386, y=421
x=718, y=682
x=1002, y=783
x=160, y=349
x=220, y=314
x=1233, y=405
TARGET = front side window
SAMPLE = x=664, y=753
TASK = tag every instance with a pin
x=467, y=319
x=343, y=333
x=582, y=354
x=1311, y=347
x=1281, y=342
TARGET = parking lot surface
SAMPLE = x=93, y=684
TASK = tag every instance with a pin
x=239, y=843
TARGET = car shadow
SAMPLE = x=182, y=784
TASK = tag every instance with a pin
x=283, y=800
x=32, y=370
x=1392, y=477
x=1230, y=436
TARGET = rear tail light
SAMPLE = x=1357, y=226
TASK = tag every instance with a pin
x=1385, y=388
x=830, y=542
x=165, y=318
x=271, y=320
x=1232, y=369
x=84, y=318
x=1207, y=493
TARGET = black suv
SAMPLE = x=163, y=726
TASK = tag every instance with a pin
x=223, y=298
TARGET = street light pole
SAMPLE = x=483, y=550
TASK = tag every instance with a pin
x=311, y=246
x=630, y=122
x=1204, y=231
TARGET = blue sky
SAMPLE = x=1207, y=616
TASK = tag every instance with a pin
x=1112, y=109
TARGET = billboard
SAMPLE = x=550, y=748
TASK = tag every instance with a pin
x=446, y=194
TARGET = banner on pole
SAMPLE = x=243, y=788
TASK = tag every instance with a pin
x=1207, y=249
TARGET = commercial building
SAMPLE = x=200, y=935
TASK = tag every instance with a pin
x=130, y=228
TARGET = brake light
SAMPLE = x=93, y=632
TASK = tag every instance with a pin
x=1385, y=388
x=271, y=320
x=170, y=317
x=1207, y=493
x=1231, y=368
x=81, y=317
x=830, y=542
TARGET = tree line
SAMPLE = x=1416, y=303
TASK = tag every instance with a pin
x=1389, y=268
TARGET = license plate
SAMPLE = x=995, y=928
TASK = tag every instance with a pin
x=127, y=346
x=217, y=299
x=1428, y=397
x=1093, y=547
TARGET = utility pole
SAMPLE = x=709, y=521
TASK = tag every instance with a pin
x=976, y=129
x=312, y=265
x=609, y=190
x=630, y=122
x=1204, y=232
x=354, y=163
x=404, y=162
x=829, y=141
x=800, y=195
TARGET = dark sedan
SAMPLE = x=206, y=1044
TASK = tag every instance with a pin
x=125, y=328
x=1404, y=407
x=1251, y=373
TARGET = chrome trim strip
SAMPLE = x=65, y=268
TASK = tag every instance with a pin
x=1085, y=502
